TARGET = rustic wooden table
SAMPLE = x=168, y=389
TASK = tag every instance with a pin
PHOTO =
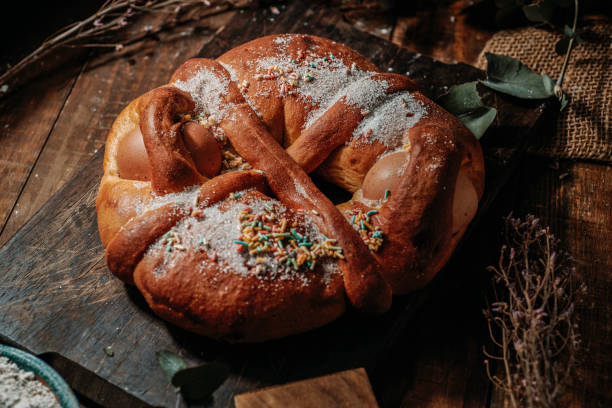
x=443, y=364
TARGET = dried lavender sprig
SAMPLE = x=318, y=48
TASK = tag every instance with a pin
x=112, y=16
x=531, y=320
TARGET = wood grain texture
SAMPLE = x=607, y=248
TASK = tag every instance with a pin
x=451, y=33
x=59, y=297
x=575, y=199
x=105, y=86
x=349, y=388
x=25, y=125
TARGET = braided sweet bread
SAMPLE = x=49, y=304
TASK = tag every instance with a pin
x=207, y=206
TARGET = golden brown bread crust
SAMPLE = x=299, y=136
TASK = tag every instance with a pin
x=259, y=96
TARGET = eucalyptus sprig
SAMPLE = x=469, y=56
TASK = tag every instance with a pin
x=531, y=318
x=510, y=76
x=542, y=12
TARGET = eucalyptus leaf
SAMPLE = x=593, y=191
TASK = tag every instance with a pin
x=563, y=101
x=170, y=362
x=198, y=383
x=562, y=45
x=465, y=103
x=479, y=120
x=512, y=77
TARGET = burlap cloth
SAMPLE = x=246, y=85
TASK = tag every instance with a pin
x=584, y=129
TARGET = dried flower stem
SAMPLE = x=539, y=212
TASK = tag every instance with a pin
x=112, y=16
x=532, y=321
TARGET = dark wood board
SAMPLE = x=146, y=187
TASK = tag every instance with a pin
x=58, y=298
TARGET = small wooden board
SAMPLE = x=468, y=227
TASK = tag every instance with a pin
x=59, y=299
x=350, y=388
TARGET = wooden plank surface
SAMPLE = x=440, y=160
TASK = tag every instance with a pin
x=349, y=388
x=60, y=298
x=99, y=91
x=575, y=199
x=24, y=129
x=443, y=366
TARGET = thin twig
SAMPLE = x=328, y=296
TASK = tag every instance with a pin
x=112, y=17
x=533, y=312
x=570, y=46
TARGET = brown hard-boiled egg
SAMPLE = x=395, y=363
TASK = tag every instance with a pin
x=203, y=147
x=465, y=202
x=385, y=174
x=132, y=158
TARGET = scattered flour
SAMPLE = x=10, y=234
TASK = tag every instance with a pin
x=21, y=389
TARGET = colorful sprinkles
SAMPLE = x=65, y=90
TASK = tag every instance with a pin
x=371, y=236
x=289, y=80
x=172, y=241
x=267, y=233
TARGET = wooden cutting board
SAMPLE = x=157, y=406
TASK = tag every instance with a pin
x=58, y=298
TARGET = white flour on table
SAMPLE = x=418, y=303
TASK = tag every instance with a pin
x=21, y=389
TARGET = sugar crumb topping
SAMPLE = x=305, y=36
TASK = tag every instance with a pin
x=215, y=230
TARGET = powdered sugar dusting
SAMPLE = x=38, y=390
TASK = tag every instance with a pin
x=243, y=89
x=207, y=90
x=216, y=228
x=283, y=41
x=231, y=71
x=323, y=80
x=300, y=189
x=184, y=198
x=388, y=122
x=366, y=93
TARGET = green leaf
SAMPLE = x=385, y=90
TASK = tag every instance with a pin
x=461, y=99
x=567, y=30
x=512, y=77
x=563, y=101
x=562, y=45
x=170, y=362
x=479, y=120
x=464, y=102
x=540, y=12
x=198, y=383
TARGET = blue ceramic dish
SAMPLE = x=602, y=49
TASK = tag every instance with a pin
x=29, y=362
